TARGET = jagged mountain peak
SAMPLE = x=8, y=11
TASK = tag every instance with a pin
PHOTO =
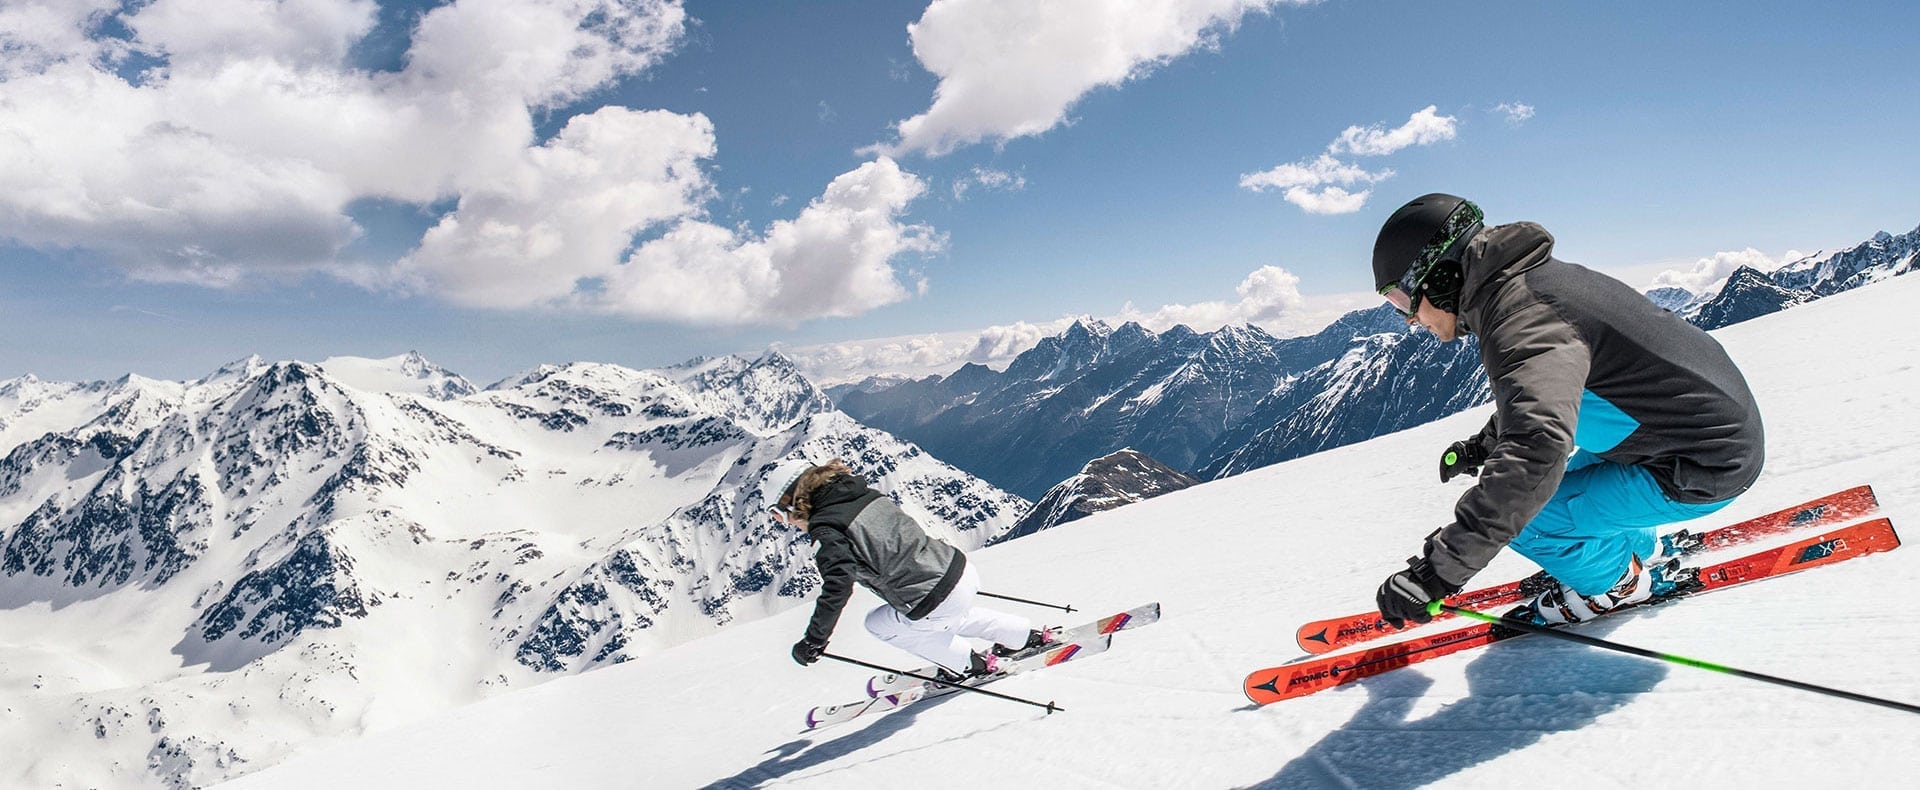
x=1237, y=336
x=243, y=368
x=1118, y=478
x=1178, y=333
x=774, y=358
x=1088, y=327
x=764, y=395
x=1673, y=299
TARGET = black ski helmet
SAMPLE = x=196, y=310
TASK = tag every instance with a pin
x=1410, y=235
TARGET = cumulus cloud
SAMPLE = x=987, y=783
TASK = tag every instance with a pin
x=565, y=212
x=237, y=152
x=1323, y=184
x=833, y=260
x=1318, y=186
x=36, y=34
x=1425, y=127
x=1515, y=112
x=1013, y=68
x=1269, y=297
x=988, y=179
x=220, y=142
x=1706, y=274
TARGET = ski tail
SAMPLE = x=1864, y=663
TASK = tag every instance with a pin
x=1320, y=673
x=1325, y=636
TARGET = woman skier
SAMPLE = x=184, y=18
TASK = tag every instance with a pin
x=928, y=586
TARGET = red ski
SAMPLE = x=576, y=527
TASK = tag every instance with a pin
x=1326, y=636
x=1317, y=674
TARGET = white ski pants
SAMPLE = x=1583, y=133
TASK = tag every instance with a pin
x=941, y=636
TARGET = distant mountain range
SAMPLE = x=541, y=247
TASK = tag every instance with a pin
x=279, y=540
x=1096, y=389
x=1220, y=403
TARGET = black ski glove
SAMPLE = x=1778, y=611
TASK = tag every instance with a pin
x=807, y=651
x=1404, y=596
x=1462, y=458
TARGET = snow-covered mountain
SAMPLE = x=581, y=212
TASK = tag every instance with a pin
x=408, y=372
x=1095, y=389
x=1749, y=293
x=1236, y=562
x=1107, y=482
x=1383, y=383
x=196, y=578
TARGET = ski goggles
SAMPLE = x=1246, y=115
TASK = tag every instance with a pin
x=1405, y=294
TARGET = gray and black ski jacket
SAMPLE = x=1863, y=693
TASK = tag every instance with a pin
x=1578, y=360
x=862, y=536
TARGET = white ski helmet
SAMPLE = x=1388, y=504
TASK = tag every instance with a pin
x=780, y=479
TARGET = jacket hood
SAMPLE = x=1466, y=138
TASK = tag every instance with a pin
x=842, y=488
x=1497, y=255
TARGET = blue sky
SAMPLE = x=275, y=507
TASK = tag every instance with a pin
x=501, y=183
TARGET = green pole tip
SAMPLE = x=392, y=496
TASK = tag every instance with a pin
x=1433, y=607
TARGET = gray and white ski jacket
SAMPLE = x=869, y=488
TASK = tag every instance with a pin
x=862, y=536
x=1578, y=360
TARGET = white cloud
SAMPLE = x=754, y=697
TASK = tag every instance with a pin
x=1425, y=127
x=35, y=34
x=1269, y=297
x=917, y=356
x=566, y=212
x=209, y=34
x=1320, y=185
x=1324, y=170
x=1013, y=68
x=988, y=179
x=1706, y=274
x=1515, y=112
x=237, y=158
x=833, y=260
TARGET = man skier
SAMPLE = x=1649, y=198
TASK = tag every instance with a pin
x=1611, y=415
x=929, y=587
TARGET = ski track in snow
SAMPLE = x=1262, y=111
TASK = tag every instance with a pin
x=1237, y=564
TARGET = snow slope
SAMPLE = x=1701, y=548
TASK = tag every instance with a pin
x=1238, y=563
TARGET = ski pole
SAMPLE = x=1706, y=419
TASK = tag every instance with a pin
x=1023, y=600
x=857, y=662
x=1556, y=633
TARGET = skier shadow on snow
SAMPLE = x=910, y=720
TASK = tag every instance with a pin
x=796, y=756
x=1517, y=693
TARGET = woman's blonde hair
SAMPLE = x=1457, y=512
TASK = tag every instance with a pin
x=801, y=500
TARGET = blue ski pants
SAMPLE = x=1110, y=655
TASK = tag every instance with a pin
x=1602, y=514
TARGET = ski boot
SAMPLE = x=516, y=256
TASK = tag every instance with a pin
x=1037, y=640
x=1559, y=604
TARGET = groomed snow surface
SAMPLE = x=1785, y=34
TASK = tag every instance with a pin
x=1237, y=564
